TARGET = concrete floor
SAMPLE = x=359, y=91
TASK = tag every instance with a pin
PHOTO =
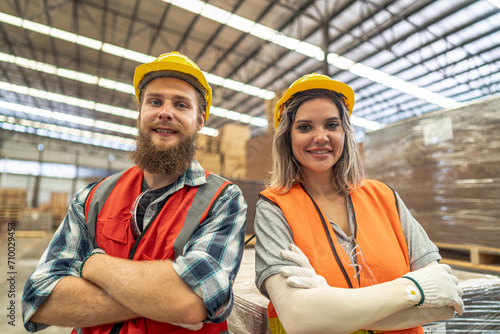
x=27, y=253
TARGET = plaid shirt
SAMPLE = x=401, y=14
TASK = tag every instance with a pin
x=224, y=229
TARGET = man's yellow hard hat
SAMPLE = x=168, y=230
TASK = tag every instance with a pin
x=314, y=81
x=175, y=65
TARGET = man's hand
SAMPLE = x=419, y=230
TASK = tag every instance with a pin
x=300, y=277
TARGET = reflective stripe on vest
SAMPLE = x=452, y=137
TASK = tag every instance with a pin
x=204, y=196
x=99, y=195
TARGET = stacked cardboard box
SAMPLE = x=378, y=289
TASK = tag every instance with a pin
x=210, y=161
x=233, y=143
x=259, y=150
x=446, y=167
x=208, y=154
x=208, y=144
x=251, y=190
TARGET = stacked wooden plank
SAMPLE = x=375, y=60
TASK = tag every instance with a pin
x=12, y=203
x=57, y=206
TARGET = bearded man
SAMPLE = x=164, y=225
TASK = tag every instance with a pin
x=155, y=248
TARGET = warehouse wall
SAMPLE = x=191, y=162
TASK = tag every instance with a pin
x=24, y=146
x=67, y=167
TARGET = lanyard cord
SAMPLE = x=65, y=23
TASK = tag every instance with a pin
x=330, y=241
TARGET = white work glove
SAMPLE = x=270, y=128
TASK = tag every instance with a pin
x=439, y=286
x=194, y=327
x=300, y=277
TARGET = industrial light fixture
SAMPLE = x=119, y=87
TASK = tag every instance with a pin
x=65, y=133
x=105, y=83
x=237, y=22
x=219, y=15
x=104, y=47
x=75, y=135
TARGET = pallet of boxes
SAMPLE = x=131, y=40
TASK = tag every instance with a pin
x=233, y=148
x=208, y=154
x=225, y=154
x=445, y=166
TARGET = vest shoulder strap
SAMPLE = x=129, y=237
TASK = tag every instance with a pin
x=203, y=203
x=100, y=193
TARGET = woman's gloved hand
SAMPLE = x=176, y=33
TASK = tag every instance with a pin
x=438, y=287
x=303, y=276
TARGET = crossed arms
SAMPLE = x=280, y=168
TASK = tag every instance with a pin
x=114, y=289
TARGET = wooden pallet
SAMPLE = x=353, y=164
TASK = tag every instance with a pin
x=478, y=258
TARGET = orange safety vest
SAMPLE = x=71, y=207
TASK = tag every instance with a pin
x=378, y=231
x=107, y=213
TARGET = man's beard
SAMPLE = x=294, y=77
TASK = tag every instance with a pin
x=173, y=160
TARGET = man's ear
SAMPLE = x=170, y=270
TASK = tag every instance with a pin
x=201, y=121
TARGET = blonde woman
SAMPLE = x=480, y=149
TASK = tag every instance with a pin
x=335, y=252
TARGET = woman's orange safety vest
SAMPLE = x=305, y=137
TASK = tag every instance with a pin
x=107, y=213
x=378, y=232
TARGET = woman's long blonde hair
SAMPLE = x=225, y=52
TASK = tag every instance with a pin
x=348, y=172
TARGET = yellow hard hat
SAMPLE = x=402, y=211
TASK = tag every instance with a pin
x=175, y=65
x=314, y=81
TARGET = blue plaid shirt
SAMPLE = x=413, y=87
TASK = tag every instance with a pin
x=223, y=230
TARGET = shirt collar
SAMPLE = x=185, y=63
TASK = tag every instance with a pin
x=194, y=176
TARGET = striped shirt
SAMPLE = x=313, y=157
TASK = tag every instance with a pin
x=208, y=266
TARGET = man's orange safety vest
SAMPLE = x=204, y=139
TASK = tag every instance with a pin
x=107, y=212
x=378, y=232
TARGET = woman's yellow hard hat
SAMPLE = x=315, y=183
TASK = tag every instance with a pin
x=314, y=81
x=175, y=65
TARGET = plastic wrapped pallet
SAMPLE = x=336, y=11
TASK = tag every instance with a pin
x=249, y=314
x=446, y=167
x=482, y=307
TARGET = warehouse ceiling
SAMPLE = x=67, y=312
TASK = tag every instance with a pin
x=66, y=66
